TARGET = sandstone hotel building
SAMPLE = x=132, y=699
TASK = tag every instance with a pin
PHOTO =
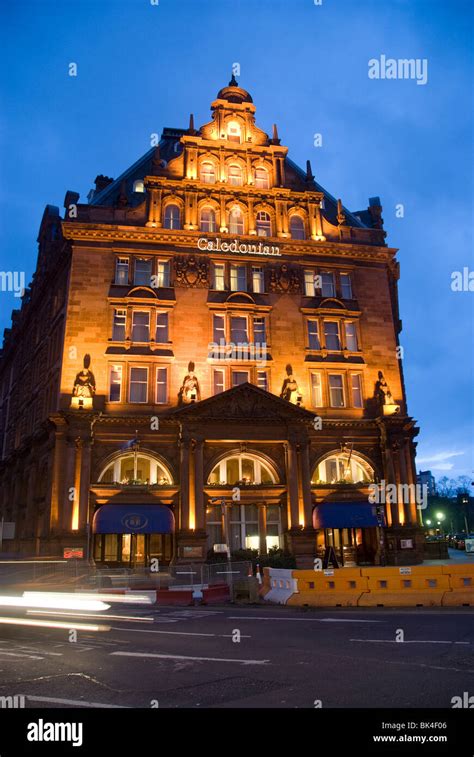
x=207, y=356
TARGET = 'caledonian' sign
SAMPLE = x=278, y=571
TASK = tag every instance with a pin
x=218, y=245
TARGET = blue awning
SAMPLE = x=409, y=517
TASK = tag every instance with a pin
x=345, y=515
x=133, y=519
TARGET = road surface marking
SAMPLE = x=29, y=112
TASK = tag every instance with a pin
x=76, y=702
x=312, y=620
x=147, y=655
x=409, y=641
x=18, y=654
x=177, y=633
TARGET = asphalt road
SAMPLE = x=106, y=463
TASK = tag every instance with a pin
x=286, y=658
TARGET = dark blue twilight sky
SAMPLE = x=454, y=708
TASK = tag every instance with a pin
x=142, y=67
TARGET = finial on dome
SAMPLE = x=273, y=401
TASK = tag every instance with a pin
x=233, y=82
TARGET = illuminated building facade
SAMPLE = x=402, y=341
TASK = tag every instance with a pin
x=208, y=355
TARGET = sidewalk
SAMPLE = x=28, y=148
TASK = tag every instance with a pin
x=456, y=556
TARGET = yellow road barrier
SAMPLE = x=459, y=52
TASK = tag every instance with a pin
x=402, y=586
x=461, y=582
x=328, y=588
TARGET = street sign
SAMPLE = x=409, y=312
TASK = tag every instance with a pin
x=469, y=545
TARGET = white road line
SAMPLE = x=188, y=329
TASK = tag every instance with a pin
x=76, y=702
x=146, y=655
x=176, y=633
x=409, y=641
x=17, y=654
x=306, y=620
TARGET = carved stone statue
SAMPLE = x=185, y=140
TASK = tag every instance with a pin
x=290, y=390
x=84, y=383
x=382, y=391
x=189, y=391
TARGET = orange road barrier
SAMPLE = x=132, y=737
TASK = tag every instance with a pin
x=461, y=582
x=416, y=586
x=329, y=588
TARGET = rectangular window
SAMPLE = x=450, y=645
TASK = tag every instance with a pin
x=219, y=277
x=316, y=390
x=120, y=318
x=259, y=330
x=142, y=272
x=218, y=326
x=238, y=330
x=346, y=286
x=140, y=326
x=336, y=390
x=163, y=273
x=138, y=384
x=238, y=278
x=257, y=279
x=313, y=335
x=309, y=288
x=351, y=336
x=115, y=383
x=239, y=377
x=218, y=379
x=162, y=328
x=121, y=271
x=262, y=380
x=161, y=386
x=356, y=388
x=331, y=335
x=327, y=285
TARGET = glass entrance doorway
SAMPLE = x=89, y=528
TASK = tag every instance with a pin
x=133, y=550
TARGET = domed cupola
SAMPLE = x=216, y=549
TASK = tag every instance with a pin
x=233, y=93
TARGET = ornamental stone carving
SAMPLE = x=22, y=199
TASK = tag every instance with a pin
x=191, y=271
x=284, y=279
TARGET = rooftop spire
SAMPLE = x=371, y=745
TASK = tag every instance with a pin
x=191, y=129
x=275, y=138
x=233, y=82
x=309, y=173
x=341, y=216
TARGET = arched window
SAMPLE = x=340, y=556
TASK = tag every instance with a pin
x=172, y=218
x=234, y=176
x=207, y=220
x=207, y=173
x=263, y=224
x=233, y=131
x=128, y=470
x=297, y=227
x=236, y=221
x=244, y=469
x=343, y=468
x=261, y=178
x=138, y=186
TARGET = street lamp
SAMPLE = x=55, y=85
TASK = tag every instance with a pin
x=428, y=523
x=440, y=516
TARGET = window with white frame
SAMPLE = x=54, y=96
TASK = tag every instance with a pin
x=162, y=277
x=207, y=173
x=138, y=384
x=238, y=278
x=297, y=227
x=356, y=390
x=120, y=320
x=239, y=329
x=172, y=217
x=236, y=221
x=336, y=390
x=257, y=279
x=233, y=131
x=219, y=276
x=241, y=467
x=121, y=271
x=313, y=334
x=262, y=380
x=309, y=286
x=234, y=175
x=261, y=178
x=240, y=377
x=331, y=335
x=327, y=285
x=343, y=468
x=218, y=329
x=207, y=221
x=218, y=380
x=351, y=336
x=273, y=526
x=316, y=389
x=162, y=331
x=346, y=286
x=259, y=330
x=140, y=326
x=263, y=224
x=115, y=383
x=142, y=275
x=161, y=386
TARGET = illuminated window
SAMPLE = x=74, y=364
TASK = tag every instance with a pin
x=297, y=227
x=261, y=178
x=343, y=468
x=257, y=279
x=142, y=275
x=163, y=273
x=219, y=277
x=356, y=389
x=236, y=221
x=263, y=224
x=138, y=384
x=218, y=380
x=207, y=173
x=313, y=335
x=140, y=326
x=244, y=467
x=121, y=271
x=328, y=289
x=172, y=219
x=351, y=336
x=234, y=176
x=346, y=286
x=161, y=386
x=331, y=335
x=115, y=383
x=309, y=288
x=161, y=328
x=238, y=278
x=262, y=380
x=130, y=468
x=120, y=318
x=207, y=220
x=138, y=186
x=316, y=390
x=336, y=390
x=233, y=131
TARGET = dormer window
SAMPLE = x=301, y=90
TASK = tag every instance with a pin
x=297, y=227
x=172, y=219
x=234, y=132
x=207, y=173
x=138, y=186
x=234, y=176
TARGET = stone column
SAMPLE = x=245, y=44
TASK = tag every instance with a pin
x=223, y=227
x=292, y=483
x=57, y=487
x=415, y=513
x=306, y=485
x=154, y=209
x=184, y=484
x=200, y=510
x=262, y=529
x=75, y=520
x=251, y=218
x=85, y=483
